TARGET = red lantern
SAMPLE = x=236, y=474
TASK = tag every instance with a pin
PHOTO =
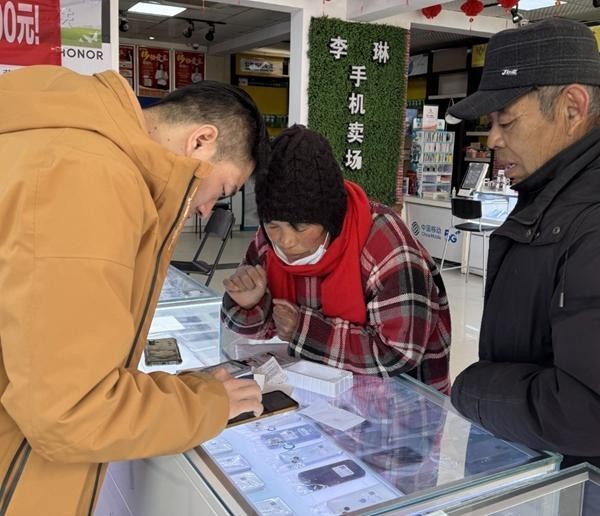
x=472, y=7
x=432, y=11
x=507, y=4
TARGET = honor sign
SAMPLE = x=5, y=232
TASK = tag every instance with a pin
x=72, y=33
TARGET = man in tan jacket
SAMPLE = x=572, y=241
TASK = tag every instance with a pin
x=93, y=194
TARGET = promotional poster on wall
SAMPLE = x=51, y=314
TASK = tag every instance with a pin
x=126, y=63
x=189, y=68
x=153, y=72
x=72, y=33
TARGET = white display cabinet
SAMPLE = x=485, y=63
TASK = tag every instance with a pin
x=431, y=156
x=495, y=208
x=430, y=223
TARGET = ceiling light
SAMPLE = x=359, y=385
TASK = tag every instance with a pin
x=530, y=5
x=189, y=30
x=210, y=34
x=516, y=16
x=150, y=37
x=156, y=9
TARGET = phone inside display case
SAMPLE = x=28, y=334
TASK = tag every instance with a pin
x=294, y=468
x=409, y=450
x=195, y=326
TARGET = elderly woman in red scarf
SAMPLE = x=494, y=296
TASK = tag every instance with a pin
x=338, y=277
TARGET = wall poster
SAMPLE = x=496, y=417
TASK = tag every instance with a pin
x=126, y=64
x=189, y=68
x=153, y=72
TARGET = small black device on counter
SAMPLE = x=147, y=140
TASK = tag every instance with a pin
x=331, y=475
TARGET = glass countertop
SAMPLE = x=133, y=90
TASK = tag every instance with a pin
x=410, y=449
x=196, y=326
x=179, y=287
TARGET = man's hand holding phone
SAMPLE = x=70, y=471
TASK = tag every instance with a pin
x=244, y=395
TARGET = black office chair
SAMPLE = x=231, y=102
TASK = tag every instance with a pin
x=224, y=202
x=220, y=225
x=469, y=210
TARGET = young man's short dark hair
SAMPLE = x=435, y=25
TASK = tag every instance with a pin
x=242, y=132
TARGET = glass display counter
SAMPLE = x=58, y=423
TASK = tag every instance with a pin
x=495, y=206
x=429, y=221
x=195, y=325
x=410, y=454
x=571, y=492
x=180, y=287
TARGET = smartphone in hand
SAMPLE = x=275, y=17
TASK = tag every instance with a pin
x=274, y=402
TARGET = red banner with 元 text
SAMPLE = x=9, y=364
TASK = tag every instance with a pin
x=30, y=32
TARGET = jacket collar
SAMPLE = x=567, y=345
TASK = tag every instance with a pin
x=538, y=191
x=165, y=173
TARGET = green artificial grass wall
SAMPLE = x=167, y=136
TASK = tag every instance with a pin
x=384, y=96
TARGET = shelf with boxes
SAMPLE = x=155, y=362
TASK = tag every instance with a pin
x=432, y=157
x=477, y=149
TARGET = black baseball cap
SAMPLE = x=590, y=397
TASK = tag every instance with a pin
x=551, y=52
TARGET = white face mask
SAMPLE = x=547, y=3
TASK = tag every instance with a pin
x=307, y=260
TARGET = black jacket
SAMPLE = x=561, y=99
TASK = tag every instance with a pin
x=538, y=378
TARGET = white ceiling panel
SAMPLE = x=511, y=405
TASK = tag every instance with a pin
x=240, y=20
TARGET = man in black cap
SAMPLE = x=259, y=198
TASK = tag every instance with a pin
x=538, y=381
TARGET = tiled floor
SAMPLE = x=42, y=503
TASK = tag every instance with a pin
x=466, y=301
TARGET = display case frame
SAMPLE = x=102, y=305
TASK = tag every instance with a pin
x=548, y=487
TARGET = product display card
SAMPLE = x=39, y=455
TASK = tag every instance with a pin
x=272, y=372
x=167, y=323
x=337, y=418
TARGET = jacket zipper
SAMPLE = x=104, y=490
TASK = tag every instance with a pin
x=21, y=456
x=144, y=314
x=156, y=267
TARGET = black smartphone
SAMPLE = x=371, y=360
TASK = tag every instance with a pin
x=331, y=475
x=393, y=459
x=274, y=402
x=163, y=351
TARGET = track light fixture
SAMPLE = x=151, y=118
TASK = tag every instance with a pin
x=189, y=30
x=123, y=22
x=516, y=15
x=210, y=34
